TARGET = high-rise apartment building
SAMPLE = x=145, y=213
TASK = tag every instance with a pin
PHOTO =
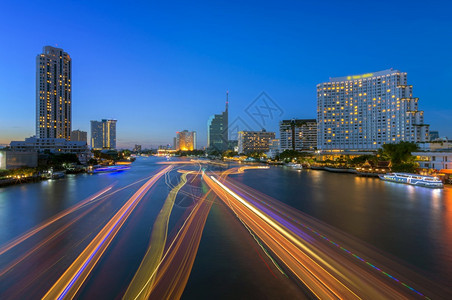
x=363, y=112
x=103, y=134
x=79, y=136
x=254, y=141
x=298, y=134
x=53, y=93
x=186, y=140
x=217, y=130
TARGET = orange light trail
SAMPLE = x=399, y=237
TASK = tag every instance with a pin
x=172, y=274
x=324, y=271
x=73, y=278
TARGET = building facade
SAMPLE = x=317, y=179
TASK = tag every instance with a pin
x=217, y=130
x=433, y=135
x=53, y=94
x=298, y=134
x=273, y=148
x=103, y=134
x=49, y=144
x=10, y=159
x=79, y=136
x=186, y=140
x=434, y=160
x=254, y=141
x=363, y=112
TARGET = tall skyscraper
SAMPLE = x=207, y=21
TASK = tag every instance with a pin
x=103, y=134
x=298, y=134
x=53, y=93
x=186, y=140
x=363, y=112
x=217, y=130
x=79, y=136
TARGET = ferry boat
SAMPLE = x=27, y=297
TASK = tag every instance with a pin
x=295, y=166
x=413, y=179
x=106, y=169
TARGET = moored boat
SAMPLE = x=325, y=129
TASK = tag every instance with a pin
x=295, y=166
x=106, y=169
x=340, y=170
x=413, y=179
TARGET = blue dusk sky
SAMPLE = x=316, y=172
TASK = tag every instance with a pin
x=164, y=66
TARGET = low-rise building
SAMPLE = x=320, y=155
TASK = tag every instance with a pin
x=437, y=145
x=34, y=144
x=434, y=160
x=254, y=141
x=10, y=159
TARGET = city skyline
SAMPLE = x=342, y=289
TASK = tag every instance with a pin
x=294, y=64
x=225, y=150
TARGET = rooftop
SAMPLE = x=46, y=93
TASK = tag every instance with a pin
x=363, y=76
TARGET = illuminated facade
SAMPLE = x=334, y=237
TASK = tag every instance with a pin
x=217, y=130
x=186, y=140
x=441, y=160
x=254, y=141
x=103, y=134
x=298, y=134
x=53, y=94
x=363, y=112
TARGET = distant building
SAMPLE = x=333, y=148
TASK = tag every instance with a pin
x=363, y=112
x=52, y=145
x=437, y=145
x=273, y=148
x=10, y=159
x=254, y=141
x=298, y=134
x=433, y=135
x=103, y=134
x=217, y=130
x=233, y=145
x=53, y=94
x=137, y=148
x=186, y=140
x=79, y=136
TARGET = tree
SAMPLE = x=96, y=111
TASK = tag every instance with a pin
x=359, y=160
x=400, y=156
x=229, y=153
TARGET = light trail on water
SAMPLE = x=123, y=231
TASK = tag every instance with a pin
x=73, y=278
x=326, y=272
x=52, y=220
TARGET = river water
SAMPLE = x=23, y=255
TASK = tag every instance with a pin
x=411, y=224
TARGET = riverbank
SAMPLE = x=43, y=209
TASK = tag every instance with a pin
x=14, y=181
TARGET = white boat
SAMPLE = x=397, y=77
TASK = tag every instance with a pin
x=295, y=166
x=413, y=179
